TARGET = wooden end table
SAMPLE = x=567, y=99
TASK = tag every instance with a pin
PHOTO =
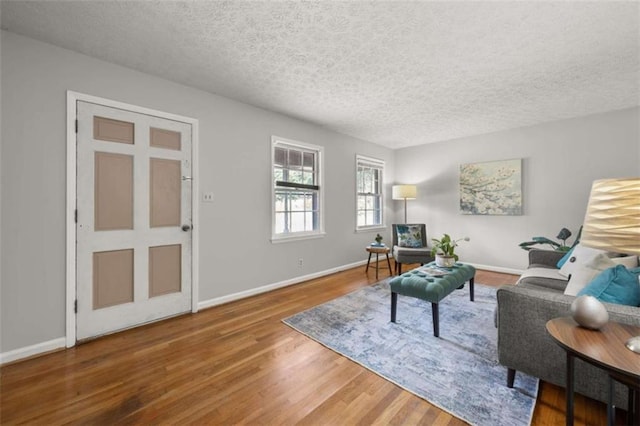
x=605, y=349
x=378, y=251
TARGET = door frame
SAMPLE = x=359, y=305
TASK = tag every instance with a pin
x=71, y=290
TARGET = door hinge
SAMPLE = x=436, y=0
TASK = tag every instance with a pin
x=76, y=125
x=75, y=216
x=75, y=306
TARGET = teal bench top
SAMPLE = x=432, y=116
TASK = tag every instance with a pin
x=418, y=284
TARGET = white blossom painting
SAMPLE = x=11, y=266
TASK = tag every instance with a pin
x=491, y=188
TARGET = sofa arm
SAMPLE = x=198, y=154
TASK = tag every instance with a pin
x=524, y=344
x=548, y=258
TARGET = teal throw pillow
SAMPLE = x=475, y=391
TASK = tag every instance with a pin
x=409, y=236
x=568, y=255
x=614, y=285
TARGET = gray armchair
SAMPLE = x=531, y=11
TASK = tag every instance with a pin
x=407, y=255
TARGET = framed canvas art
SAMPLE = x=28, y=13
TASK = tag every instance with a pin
x=491, y=188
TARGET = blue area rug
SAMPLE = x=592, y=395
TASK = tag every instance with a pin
x=457, y=372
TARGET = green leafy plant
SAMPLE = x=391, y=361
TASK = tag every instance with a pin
x=378, y=239
x=446, y=246
x=563, y=235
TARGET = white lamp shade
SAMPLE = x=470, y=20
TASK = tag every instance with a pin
x=403, y=192
x=612, y=221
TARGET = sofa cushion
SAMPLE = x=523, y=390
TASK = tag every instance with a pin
x=626, y=261
x=541, y=277
x=614, y=285
x=409, y=236
x=584, y=273
x=580, y=256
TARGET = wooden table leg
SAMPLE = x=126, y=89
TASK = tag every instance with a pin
x=471, y=281
x=389, y=264
x=569, y=389
x=377, y=266
x=611, y=409
x=634, y=397
x=368, y=261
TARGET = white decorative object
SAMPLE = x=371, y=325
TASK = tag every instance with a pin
x=445, y=261
x=589, y=312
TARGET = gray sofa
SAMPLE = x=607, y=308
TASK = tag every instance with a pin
x=523, y=342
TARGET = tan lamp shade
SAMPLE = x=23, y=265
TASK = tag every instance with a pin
x=403, y=192
x=612, y=221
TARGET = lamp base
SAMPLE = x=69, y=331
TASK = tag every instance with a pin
x=634, y=344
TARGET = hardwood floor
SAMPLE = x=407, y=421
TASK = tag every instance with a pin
x=235, y=363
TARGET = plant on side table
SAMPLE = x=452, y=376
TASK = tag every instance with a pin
x=444, y=250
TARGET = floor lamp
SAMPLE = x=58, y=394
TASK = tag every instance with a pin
x=404, y=192
x=612, y=222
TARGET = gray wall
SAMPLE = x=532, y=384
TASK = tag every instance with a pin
x=560, y=161
x=234, y=161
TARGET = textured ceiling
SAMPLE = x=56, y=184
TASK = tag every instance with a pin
x=394, y=73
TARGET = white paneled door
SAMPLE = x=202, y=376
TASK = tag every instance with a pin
x=133, y=230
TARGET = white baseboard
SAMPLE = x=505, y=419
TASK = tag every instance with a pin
x=270, y=287
x=497, y=269
x=60, y=343
x=37, y=349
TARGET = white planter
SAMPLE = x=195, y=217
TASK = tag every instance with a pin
x=445, y=261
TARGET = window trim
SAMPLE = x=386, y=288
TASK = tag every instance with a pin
x=373, y=162
x=303, y=235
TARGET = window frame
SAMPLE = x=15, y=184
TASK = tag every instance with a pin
x=319, y=152
x=376, y=163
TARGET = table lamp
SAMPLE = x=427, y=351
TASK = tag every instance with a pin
x=612, y=222
x=404, y=192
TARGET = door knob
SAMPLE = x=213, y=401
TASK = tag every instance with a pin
x=186, y=228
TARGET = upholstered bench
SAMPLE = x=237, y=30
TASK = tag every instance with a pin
x=416, y=283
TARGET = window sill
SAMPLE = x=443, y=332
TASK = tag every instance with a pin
x=370, y=229
x=291, y=238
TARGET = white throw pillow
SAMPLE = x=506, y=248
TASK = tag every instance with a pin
x=579, y=257
x=628, y=262
x=583, y=274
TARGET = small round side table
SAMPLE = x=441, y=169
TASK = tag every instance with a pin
x=378, y=251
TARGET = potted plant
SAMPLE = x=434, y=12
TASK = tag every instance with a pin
x=563, y=235
x=444, y=250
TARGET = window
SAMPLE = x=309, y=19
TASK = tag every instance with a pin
x=369, y=172
x=297, y=189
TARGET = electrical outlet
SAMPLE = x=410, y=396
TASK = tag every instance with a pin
x=300, y=263
x=207, y=197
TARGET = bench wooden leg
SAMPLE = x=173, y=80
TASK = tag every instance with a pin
x=394, y=303
x=436, y=319
x=511, y=377
x=471, y=288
